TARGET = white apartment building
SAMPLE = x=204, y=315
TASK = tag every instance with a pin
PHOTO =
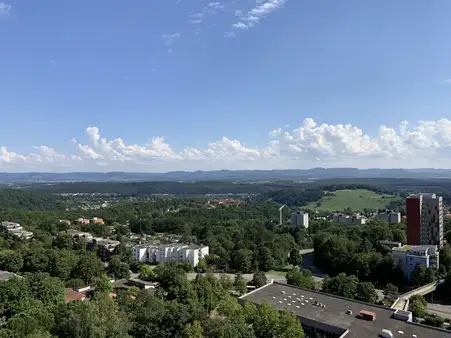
x=346, y=219
x=411, y=255
x=15, y=229
x=152, y=253
x=389, y=217
x=299, y=219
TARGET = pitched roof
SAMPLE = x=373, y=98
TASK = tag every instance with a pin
x=72, y=295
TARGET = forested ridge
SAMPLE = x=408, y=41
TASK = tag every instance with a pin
x=28, y=200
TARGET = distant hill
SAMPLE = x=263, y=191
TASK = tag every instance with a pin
x=27, y=200
x=228, y=175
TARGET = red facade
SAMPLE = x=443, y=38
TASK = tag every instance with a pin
x=413, y=208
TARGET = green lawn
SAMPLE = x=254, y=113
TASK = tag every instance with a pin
x=355, y=199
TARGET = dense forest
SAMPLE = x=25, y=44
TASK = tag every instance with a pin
x=28, y=200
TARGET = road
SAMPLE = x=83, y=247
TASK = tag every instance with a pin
x=439, y=309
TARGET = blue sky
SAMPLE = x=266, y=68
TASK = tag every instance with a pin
x=152, y=85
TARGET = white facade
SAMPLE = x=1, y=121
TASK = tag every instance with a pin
x=299, y=219
x=151, y=253
x=411, y=255
x=346, y=219
x=389, y=217
x=15, y=229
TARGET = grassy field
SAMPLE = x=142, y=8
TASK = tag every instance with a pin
x=355, y=199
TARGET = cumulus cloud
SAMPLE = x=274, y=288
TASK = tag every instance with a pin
x=4, y=9
x=250, y=18
x=425, y=144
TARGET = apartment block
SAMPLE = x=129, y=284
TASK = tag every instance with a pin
x=78, y=235
x=106, y=247
x=389, y=217
x=15, y=229
x=346, y=219
x=152, y=253
x=425, y=219
x=299, y=219
x=411, y=255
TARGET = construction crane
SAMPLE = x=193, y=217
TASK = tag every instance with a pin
x=280, y=214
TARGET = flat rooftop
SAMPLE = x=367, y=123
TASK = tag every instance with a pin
x=333, y=316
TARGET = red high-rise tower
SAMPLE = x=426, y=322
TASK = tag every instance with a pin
x=413, y=209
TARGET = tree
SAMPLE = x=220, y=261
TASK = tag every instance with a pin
x=445, y=257
x=391, y=291
x=201, y=266
x=193, y=330
x=118, y=269
x=31, y=321
x=417, y=275
x=366, y=292
x=418, y=305
x=429, y=275
x=226, y=282
x=400, y=236
x=267, y=321
x=240, y=284
x=242, y=260
x=259, y=279
x=146, y=273
x=264, y=258
x=341, y=285
x=49, y=290
x=99, y=317
x=88, y=268
x=295, y=257
x=302, y=279
x=289, y=327
x=61, y=263
x=11, y=261
x=63, y=241
x=103, y=284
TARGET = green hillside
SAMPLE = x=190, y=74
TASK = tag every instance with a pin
x=357, y=200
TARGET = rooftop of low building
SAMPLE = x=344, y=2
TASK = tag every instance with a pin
x=334, y=315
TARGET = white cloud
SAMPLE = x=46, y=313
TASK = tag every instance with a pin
x=209, y=9
x=170, y=39
x=275, y=132
x=255, y=15
x=4, y=9
x=426, y=144
x=215, y=5
x=448, y=81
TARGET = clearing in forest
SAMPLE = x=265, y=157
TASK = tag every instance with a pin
x=357, y=200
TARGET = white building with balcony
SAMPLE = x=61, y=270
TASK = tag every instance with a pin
x=152, y=253
x=411, y=255
x=15, y=229
x=346, y=219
